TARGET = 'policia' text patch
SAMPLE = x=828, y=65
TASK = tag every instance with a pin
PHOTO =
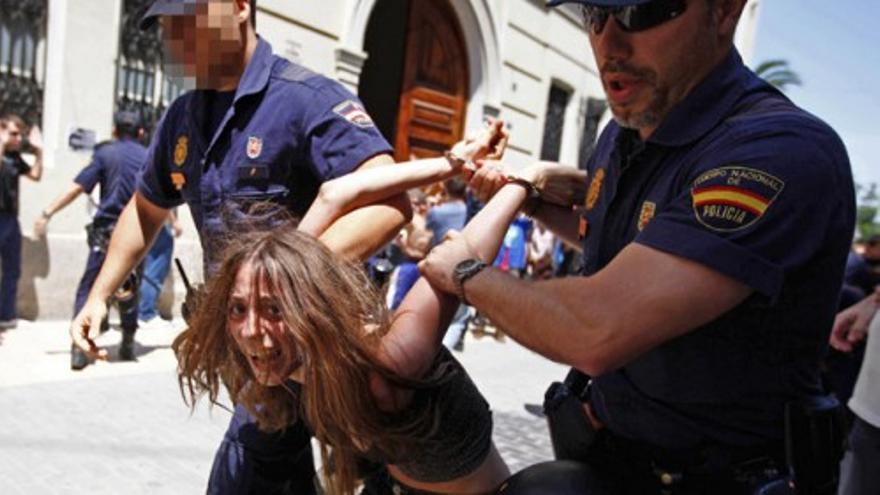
x=733, y=197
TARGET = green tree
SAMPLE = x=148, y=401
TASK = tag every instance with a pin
x=778, y=73
x=866, y=214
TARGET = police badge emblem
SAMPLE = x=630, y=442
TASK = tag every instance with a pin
x=595, y=189
x=178, y=179
x=181, y=150
x=649, y=209
x=254, y=147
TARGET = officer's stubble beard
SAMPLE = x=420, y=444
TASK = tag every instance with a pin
x=663, y=95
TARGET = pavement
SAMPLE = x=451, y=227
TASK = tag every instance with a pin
x=122, y=426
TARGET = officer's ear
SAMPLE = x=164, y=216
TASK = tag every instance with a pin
x=243, y=11
x=726, y=14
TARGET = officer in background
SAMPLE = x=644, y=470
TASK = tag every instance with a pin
x=714, y=231
x=258, y=129
x=115, y=165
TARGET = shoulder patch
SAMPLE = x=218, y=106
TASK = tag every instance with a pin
x=733, y=197
x=353, y=112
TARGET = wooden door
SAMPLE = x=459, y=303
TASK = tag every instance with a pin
x=434, y=91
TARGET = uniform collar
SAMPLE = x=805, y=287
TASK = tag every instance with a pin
x=706, y=105
x=256, y=74
x=254, y=80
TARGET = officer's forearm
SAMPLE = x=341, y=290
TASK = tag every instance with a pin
x=64, y=199
x=135, y=230
x=362, y=232
x=533, y=314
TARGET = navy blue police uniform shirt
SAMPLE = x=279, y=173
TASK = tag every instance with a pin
x=115, y=166
x=738, y=179
x=286, y=131
x=12, y=165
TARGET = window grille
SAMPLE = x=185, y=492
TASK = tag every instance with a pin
x=22, y=58
x=554, y=123
x=594, y=108
x=141, y=84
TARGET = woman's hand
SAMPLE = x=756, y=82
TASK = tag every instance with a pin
x=490, y=142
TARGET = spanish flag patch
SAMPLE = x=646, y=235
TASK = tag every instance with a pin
x=732, y=198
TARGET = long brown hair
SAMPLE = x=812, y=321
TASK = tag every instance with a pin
x=335, y=321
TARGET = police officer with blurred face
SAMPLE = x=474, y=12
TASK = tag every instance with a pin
x=714, y=232
x=258, y=129
x=115, y=165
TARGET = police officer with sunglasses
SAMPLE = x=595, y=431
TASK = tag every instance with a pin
x=715, y=229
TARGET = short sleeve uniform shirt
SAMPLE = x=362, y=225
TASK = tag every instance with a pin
x=740, y=180
x=287, y=131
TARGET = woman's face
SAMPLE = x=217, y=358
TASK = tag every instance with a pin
x=254, y=319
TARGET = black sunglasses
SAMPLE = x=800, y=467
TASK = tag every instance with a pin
x=633, y=18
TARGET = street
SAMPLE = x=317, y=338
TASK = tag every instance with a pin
x=122, y=426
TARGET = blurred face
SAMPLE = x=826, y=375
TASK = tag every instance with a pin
x=872, y=252
x=207, y=48
x=648, y=72
x=255, y=321
x=14, y=138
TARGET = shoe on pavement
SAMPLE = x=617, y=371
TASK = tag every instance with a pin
x=535, y=409
x=155, y=324
x=8, y=324
x=126, y=347
x=78, y=358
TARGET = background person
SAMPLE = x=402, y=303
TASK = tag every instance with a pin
x=114, y=165
x=13, y=166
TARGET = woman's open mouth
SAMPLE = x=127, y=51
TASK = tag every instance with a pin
x=267, y=361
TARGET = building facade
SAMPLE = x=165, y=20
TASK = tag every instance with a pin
x=428, y=71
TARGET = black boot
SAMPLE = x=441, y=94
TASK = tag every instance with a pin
x=78, y=358
x=126, y=348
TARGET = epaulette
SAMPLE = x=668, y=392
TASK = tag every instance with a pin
x=289, y=71
x=102, y=144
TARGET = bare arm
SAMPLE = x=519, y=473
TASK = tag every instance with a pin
x=366, y=186
x=58, y=204
x=135, y=230
x=369, y=185
x=643, y=298
x=361, y=232
x=851, y=325
x=425, y=312
x=36, y=139
x=559, y=189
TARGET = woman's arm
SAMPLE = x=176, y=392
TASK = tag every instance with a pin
x=351, y=191
x=425, y=313
x=363, y=187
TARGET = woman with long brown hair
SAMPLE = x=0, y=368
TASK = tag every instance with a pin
x=286, y=319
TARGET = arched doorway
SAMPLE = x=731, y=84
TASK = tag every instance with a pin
x=415, y=80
